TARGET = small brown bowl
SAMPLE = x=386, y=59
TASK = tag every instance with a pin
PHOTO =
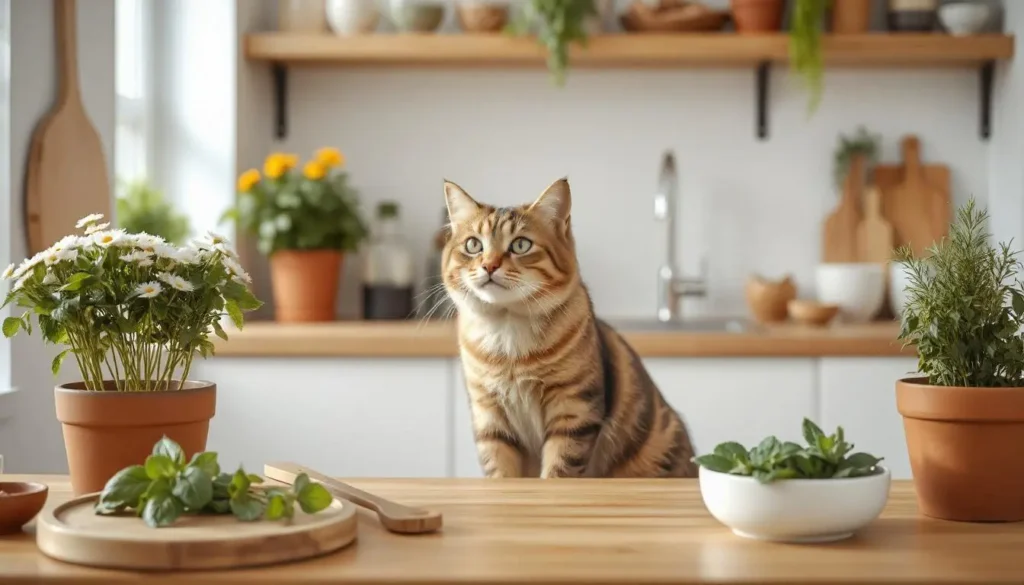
x=19, y=503
x=811, y=312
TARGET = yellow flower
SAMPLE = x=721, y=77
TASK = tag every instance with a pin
x=248, y=180
x=275, y=166
x=314, y=170
x=330, y=157
x=290, y=160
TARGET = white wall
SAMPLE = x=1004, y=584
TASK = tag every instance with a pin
x=750, y=206
x=30, y=439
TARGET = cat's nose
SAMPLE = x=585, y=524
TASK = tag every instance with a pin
x=491, y=265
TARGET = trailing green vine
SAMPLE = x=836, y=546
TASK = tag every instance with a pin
x=805, y=45
x=558, y=23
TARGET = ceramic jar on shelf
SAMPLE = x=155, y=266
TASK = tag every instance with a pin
x=912, y=15
x=417, y=16
x=301, y=16
x=352, y=17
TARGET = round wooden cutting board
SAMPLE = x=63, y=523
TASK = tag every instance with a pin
x=74, y=533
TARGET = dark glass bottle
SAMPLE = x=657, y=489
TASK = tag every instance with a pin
x=388, y=273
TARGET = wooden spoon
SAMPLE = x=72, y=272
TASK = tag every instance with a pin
x=394, y=517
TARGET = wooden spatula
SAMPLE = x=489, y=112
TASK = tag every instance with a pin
x=394, y=517
x=67, y=172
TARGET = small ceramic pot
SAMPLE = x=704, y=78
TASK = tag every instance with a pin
x=418, y=16
x=301, y=16
x=857, y=287
x=964, y=18
x=305, y=284
x=352, y=17
x=19, y=503
x=106, y=430
x=851, y=16
x=481, y=16
x=757, y=16
x=912, y=15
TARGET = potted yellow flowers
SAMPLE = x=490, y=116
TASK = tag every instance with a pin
x=305, y=222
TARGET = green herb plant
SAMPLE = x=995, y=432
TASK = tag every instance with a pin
x=863, y=144
x=965, y=307
x=823, y=457
x=143, y=209
x=557, y=23
x=165, y=488
x=805, y=45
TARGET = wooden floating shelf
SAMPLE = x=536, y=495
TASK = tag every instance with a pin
x=636, y=51
x=624, y=50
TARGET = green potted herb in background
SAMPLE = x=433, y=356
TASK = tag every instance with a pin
x=142, y=209
x=305, y=222
x=557, y=24
x=863, y=146
x=963, y=413
x=133, y=311
x=808, y=20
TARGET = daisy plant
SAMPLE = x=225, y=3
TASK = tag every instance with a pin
x=131, y=308
x=314, y=209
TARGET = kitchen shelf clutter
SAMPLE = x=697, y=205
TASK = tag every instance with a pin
x=652, y=51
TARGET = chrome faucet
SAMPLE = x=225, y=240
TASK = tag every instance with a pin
x=672, y=286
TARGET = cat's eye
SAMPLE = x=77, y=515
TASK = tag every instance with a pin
x=520, y=245
x=474, y=246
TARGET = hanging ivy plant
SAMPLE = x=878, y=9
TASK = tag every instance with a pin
x=805, y=45
x=557, y=24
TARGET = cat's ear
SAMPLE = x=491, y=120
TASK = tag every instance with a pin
x=460, y=205
x=555, y=202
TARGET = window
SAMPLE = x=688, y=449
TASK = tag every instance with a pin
x=133, y=134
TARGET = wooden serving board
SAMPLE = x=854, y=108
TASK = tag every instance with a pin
x=67, y=171
x=915, y=198
x=74, y=533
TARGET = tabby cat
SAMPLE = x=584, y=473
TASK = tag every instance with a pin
x=554, y=391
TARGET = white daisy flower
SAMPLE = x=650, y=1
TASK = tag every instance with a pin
x=223, y=249
x=238, y=273
x=176, y=281
x=148, y=290
x=145, y=262
x=52, y=257
x=96, y=227
x=147, y=241
x=187, y=256
x=68, y=254
x=50, y=278
x=134, y=256
x=165, y=251
x=109, y=238
x=89, y=219
x=8, y=272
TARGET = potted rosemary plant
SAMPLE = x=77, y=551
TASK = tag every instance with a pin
x=304, y=222
x=133, y=311
x=963, y=414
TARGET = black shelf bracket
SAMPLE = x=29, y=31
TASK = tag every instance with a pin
x=987, y=78
x=763, y=71
x=280, y=74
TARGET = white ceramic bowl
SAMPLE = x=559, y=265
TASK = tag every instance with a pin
x=964, y=18
x=858, y=289
x=794, y=510
x=898, y=280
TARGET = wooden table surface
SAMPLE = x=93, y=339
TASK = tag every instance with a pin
x=590, y=531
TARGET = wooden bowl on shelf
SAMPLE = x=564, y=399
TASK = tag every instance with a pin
x=481, y=17
x=767, y=299
x=19, y=503
x=812, y=313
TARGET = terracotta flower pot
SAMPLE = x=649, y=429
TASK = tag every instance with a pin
x=851, y=16
x=106, y=431
x=757, y=16
x=964, y=446
x=305, y=284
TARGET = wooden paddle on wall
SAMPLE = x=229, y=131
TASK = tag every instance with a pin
x=839, y=233
x=67, y=172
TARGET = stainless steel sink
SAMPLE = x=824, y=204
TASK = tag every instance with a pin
x=695, y=325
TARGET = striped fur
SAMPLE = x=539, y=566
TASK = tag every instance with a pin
x=554, y=391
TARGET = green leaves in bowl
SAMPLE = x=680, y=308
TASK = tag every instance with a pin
x=823, y=457
x=165, y=487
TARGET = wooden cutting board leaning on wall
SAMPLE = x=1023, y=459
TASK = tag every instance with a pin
x=915, y=198
x=67, y=172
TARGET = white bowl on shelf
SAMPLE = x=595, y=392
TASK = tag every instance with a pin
x=795, y=510
x=858, y=288
x=964, y=18
x=898, y=281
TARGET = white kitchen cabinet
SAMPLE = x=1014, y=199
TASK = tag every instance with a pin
x=720, y=400
x=737, y=399
x=860, y=394
x=348, y=417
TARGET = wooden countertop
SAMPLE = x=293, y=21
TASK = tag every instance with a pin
x=438, y=339
x=589, y=531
